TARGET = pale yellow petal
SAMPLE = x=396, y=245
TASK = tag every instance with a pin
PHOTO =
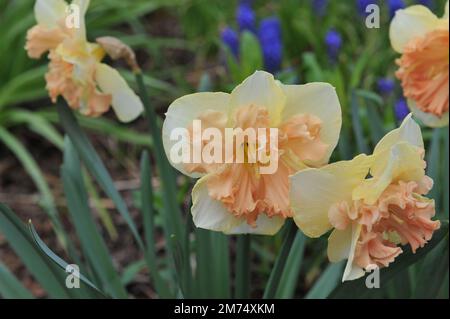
x=353, y=271
x=446, y=11
x=126, y=104
x=83, y=5
x=49, y=12
x=404, y=162
x=314, y=191
x=260, y=89
x=409, y=23
x=339, y=244
x=183, y=111
x=321, y=100
x=408, y=132
x=428, y=119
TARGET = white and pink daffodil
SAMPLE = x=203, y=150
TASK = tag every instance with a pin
x=374, y=204
x=422, y=39
x=75, y=69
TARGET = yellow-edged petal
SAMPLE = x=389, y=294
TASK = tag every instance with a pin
x=409, y=23
x=183, y=111
x=321, y=100
x=126, y=104
x=49, y=12
x=211, y=214
x=314, y=191
x=428, y=119
x=353, y=271
x=260, y=89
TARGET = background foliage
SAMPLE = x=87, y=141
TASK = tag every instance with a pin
x=179, y=45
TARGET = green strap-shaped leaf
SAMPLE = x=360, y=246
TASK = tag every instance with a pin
x=86, y=290
x=95, y=165
x=35, y=173
x=280, y=263
x=148, y=214
x=49, y=276
x=289, y=278
x=10, y=286
x=92, y=243
x=357, y=288
x=328, y=281
x=357, y=125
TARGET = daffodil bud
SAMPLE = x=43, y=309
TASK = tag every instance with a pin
x=117, y=50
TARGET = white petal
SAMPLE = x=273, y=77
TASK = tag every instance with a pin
x=321, y=100
x=262, y=90
x=352, y=271
x=428, y=119
x=264, y=226
x=126, y=104
x=314, y=191
x=83, y=5
x=49, y=12
x=339, y=244
x=211, y=214
x=184, y=110
x=409, y=23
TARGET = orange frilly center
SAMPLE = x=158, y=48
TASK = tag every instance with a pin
x=400, y=216
x=424, y=71
x=242, y=189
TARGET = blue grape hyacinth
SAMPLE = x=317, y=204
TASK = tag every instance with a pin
x=401, y=109
x=245, y=17
x=333, y=42
x=385, y=86
x=395, y=5
x=231, y=39
x=270, y=38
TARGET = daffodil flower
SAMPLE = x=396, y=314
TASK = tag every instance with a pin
x=423, y=40
x=236, y=198
x=371, y=217
x=75, y=68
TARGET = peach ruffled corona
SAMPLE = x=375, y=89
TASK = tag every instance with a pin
x=372, y=217
x=423, y=40
x=236, y=197
x=75, y=69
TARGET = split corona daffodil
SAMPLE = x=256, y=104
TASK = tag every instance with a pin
x=236, y=198
x=370, y=216
x=423, y=40
x=75, y=71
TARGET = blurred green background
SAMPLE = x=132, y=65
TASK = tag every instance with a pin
x=186, y=46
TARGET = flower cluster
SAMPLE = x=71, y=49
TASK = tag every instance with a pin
x=269, y=35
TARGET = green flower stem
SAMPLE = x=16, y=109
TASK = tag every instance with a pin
x=242, y=283
x=277, y=271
